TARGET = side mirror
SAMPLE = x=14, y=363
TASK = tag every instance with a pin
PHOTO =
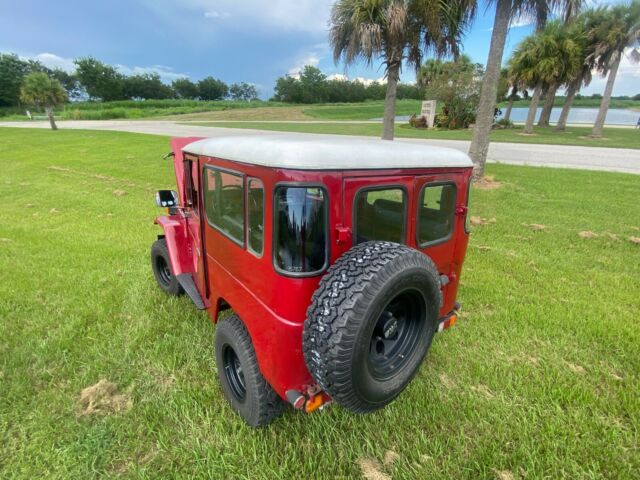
x=167, y=198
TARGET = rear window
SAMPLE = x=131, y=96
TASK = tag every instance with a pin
x=300, y=243
x=436, y=210
x=224, y=202
x=381, y=214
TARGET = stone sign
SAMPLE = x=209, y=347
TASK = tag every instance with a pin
x=429, y=112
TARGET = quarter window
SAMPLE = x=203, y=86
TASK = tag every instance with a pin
x=224, y=202
x=255, y=216
x=436, y=210
x=300, y=244
x=381, y=214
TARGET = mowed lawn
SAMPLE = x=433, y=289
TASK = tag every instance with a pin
x=540, y=378
x=613, y=137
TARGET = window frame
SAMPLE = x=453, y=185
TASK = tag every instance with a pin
x=246, y=202
x=274, y=230
x=467, y=218
x=377, y=188
x=205, y=183
x=419, y=205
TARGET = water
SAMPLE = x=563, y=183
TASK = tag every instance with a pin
x=615, y=116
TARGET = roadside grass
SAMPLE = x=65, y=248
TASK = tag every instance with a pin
x=540, y=378
x=256, y=110
x=613, y=137
x=132, y=109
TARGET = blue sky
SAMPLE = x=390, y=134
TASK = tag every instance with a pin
x=235, y=40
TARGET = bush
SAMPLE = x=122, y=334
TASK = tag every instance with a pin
x=503, y=123
x=457, y=85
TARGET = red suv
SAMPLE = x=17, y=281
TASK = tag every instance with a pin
x=339, y=257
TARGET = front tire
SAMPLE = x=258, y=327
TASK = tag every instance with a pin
x=371, y=323
x=161, y=267
x=242, y=383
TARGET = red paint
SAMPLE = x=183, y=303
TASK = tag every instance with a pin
x=272, y=306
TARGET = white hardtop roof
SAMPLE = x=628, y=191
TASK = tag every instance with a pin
x=327, y=152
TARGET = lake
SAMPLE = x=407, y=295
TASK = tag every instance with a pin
x=615, y=116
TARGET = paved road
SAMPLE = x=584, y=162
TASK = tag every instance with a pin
x=588, y=158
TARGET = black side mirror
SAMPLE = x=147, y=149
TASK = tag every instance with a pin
x=166, y=198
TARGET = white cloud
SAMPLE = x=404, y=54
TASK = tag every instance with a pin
x=521, y=21
x=51, y=60
x=369, y=81
x=303, y=60
x=216, y=14
x=627, y=80
x=167, y=74
x=291, y=15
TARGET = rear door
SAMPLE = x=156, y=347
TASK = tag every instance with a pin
x=435, y=219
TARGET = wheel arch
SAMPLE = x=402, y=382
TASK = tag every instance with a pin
x=177, y=241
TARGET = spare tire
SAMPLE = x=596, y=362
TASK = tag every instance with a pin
x=370, y=323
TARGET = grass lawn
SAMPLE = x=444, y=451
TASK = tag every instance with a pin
x=539, y=379
x=613, y=137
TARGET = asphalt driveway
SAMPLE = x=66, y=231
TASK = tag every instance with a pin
x=588, y=158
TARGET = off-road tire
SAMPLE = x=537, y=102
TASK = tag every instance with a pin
x=347, y=307
x=162, y=268
x=261, y=404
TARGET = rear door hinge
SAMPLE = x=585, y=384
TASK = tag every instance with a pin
x=343, y=235
x=461, y=210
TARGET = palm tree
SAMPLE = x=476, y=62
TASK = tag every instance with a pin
x=587, y=43
x=619, y=31
x=571, y=10
x=506, y=11
x=43, y=92
x=546, y=59
x=397, y=31
x=512, y=97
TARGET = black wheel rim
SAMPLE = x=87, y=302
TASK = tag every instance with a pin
x=233, y=373
x=396, y=334
x=163, y=270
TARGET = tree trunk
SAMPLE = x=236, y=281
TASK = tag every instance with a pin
x=507, y=115
x=393, y=74
x=533, y=109
x=489, y=91
x=606, y=99
x=566, y=108
x=52, y=120
x=550, y=97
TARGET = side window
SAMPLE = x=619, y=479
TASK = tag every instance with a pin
x=300, y=230
x=255, y=216
x=224, y=202
x=436, y=210
x=381, y=214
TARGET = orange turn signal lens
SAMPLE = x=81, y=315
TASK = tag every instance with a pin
x=314, y=403
x=452, y=320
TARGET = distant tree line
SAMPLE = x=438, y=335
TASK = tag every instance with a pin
x=313, y=86
x=99, y=81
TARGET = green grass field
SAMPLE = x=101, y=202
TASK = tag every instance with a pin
x=539, y=379
x=613, y=137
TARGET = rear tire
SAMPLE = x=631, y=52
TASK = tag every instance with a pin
x=161, y=266
x=242, y=383
x=371, y=323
